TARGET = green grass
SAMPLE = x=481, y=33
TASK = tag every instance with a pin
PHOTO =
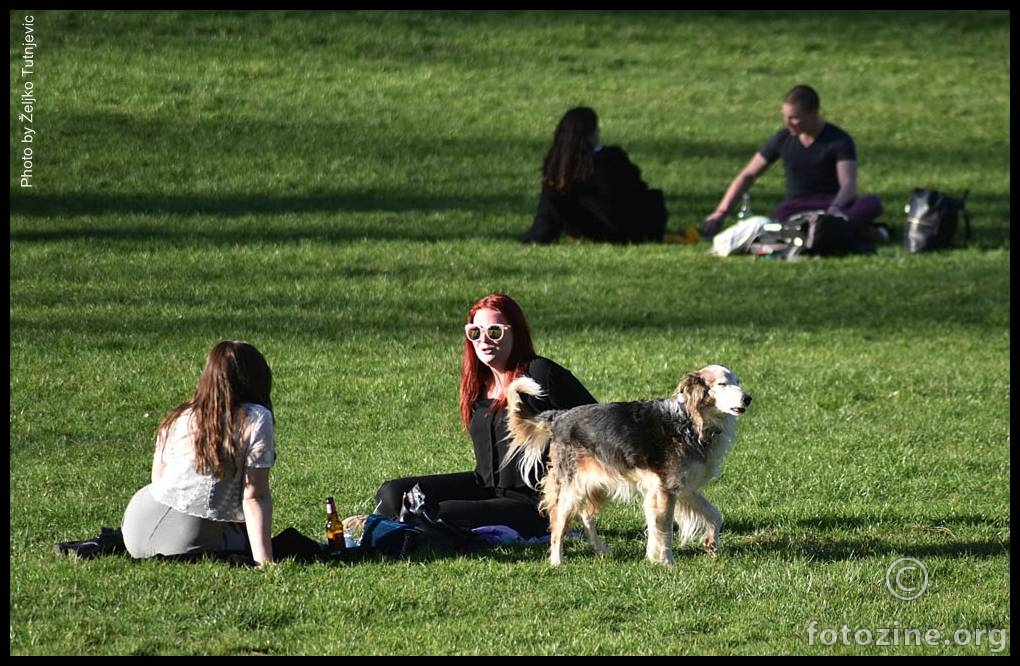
x=338, y=188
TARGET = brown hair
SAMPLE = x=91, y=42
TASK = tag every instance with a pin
x=803, y=98
x=571, y=158
x=234, y=373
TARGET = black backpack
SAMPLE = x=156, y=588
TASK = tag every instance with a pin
x=812, y=233
x=420, y=537
x=418, y=533
x=933, y=219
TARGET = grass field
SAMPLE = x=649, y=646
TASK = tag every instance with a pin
x=338, y=188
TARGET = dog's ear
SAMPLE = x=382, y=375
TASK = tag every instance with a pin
x=694, y=391
x=692, y=384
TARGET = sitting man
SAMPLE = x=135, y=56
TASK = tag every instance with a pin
x=820, y=161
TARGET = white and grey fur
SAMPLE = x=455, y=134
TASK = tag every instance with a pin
x=664, y=450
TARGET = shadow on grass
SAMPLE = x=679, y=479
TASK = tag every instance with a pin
x=832, y=538
x=828, y=539
x=232, y=205
x=325, y=318
x=740, y=539
x=833, y=548
x=241, y=219
x=443, y=167
x=815, y=547
x=402, y=225
x=405, y=220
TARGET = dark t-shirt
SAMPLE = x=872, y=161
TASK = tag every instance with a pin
x=810, y=170
x=489, y=432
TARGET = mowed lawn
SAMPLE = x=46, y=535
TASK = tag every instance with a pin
x=339, y=187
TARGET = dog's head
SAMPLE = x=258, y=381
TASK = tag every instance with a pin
x=713, y=389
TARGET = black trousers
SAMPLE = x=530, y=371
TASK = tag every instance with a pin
x=464, y=503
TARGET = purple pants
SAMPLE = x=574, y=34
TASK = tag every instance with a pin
x=861, y=212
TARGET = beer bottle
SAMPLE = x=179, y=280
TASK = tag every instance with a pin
x=335, y=540
x=745, y=207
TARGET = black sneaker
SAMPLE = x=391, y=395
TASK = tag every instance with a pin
x=109, y=542
x=77, y=549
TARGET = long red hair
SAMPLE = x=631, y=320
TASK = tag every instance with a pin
x=475, y=375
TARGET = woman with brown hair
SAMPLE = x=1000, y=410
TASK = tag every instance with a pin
x=593, y=191
x=210, y=469
x=497, y=350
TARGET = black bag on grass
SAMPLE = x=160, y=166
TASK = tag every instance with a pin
x=812, y=232
x=779, y=240
x=418, y=534
x=415, y=535
x=933, y=219
x=418, y=538
x=829, y=236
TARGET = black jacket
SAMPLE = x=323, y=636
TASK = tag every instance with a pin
x=615, y=205
x=489, y=432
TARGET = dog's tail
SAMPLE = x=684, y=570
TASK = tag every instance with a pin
x=691, y=521
x=528, y=436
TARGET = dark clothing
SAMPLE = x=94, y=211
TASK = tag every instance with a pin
x=812, y=182
x=861, y=212
x=810, y=170
x=488, y=429
x=490, y=495
x=464, y=503
x=615, y=205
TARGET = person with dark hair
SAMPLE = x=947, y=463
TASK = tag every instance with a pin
x=820, y=163
x=593, y=191
x=497, y=350
x=210, y=469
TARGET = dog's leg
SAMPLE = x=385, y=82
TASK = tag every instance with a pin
x=561, y=510
x=711, y=517
x=659, y=506
x=588, y=519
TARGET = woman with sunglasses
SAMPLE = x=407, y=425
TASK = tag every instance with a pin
x=497, y=350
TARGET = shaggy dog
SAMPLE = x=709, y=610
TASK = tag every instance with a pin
x=667, y=450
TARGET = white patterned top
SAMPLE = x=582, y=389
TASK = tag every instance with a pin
x=204, y=495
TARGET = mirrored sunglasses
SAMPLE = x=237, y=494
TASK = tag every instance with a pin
x=492, y=331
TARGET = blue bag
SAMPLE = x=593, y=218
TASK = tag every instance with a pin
x=417, y=537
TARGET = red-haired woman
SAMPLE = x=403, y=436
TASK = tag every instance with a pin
x=210, y=469
x=497, y=349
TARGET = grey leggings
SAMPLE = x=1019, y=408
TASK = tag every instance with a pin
x=152, y=528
